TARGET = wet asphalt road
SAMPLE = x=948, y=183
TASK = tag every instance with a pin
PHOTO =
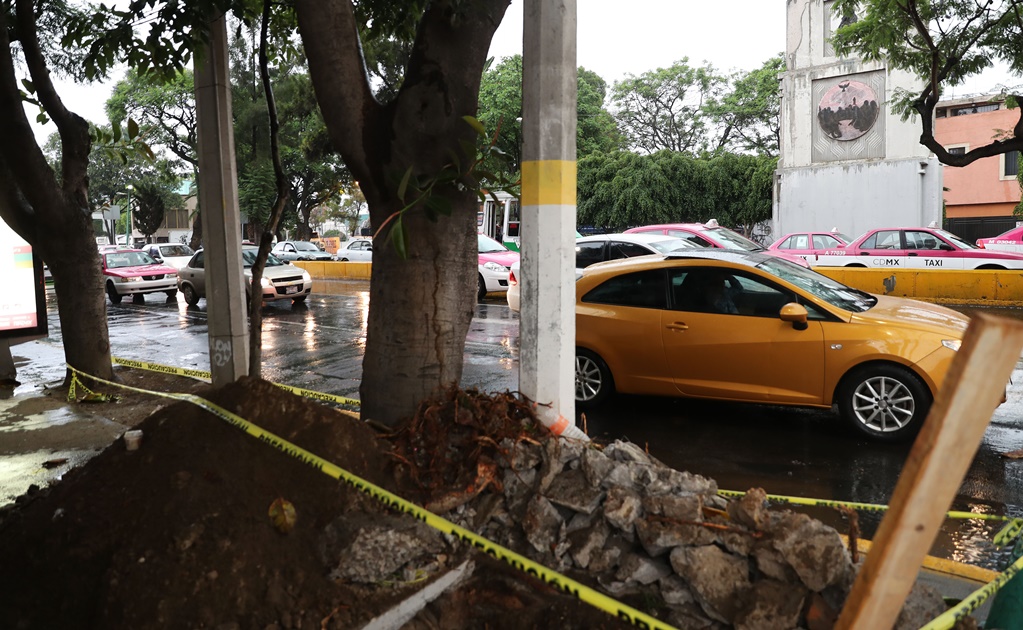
x=786, y=451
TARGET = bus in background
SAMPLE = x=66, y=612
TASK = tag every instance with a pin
x=498, y=217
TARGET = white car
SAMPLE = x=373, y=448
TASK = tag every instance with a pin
x=601, y=247
x=495, y=260
x=356, y=250
x=280, y=281
x=299, y=250
x=513, y=287
x=175, y=255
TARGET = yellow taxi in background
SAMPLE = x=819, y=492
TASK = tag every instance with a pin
x=748, y=327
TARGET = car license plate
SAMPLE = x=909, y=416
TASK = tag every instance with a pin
x=292, y=289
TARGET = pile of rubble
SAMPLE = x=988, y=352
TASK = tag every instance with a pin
x=623, y=522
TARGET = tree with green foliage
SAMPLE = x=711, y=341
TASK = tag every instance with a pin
x=51, y=209
x=622, y=189
x=943, y=42
x=500, y=111
x=664, y=108
x=416, y=160
x=746, y=116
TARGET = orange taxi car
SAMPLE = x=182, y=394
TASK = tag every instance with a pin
x=749, y=327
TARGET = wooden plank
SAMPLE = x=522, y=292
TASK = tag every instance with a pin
x=934, y=471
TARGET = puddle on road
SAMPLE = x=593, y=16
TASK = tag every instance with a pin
x=21, y=471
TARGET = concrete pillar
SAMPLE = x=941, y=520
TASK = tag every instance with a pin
x=547, y=324
x=221, y=219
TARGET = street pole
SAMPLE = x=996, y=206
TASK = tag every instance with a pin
x=127, y=222
x=547, y=230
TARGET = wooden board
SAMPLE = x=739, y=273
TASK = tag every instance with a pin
x=935, y=469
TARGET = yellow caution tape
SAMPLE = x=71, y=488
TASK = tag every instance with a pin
x=549, y=577
x=169, y=369
x=973, y=601
x=1009, y=533
x=871, y=507
x=938, y=565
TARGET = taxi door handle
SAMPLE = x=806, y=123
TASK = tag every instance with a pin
x=678, y=326
x=912, y=254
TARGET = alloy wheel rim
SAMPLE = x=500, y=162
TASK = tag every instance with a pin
x=883, y=404
x=587, y=379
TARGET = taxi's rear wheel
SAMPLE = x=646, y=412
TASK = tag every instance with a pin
x=593, y=381
x=886, y=402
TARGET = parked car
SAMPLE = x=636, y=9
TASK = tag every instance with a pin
x=710, y=234
x=810, y=245
x=176, y=255
x=134, y=272
x=514, y=290
x=356, y=250
x=495, y=260
x=299, y=250
x=916, y=248
x=602, y=247
x=646, y=326
x=1010, y=241
x=280, y=281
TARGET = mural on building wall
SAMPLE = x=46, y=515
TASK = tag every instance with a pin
x=847, y=111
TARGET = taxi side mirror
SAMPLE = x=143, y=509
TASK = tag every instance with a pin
x=795, y=313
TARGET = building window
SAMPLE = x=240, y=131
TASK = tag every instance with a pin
x=973, y=109
x=959, y=150
x=1010, y=165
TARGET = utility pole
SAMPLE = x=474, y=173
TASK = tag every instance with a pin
x=127, y=216
x=221, y=218
x=547, y=243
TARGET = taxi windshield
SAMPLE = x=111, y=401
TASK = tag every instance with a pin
x=820, y=286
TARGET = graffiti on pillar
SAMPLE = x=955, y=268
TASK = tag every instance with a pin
x=222, y=352
x=847, y=110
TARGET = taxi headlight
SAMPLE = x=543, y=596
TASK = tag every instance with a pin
x=264, y=282
x=130, y=279
x=952, y=344
x=493, y=266
x=306, y=277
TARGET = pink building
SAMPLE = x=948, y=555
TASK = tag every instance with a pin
x=979, y=198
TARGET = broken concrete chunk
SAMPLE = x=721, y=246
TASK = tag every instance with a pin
x=684, y=508
x=584, y=543
x=659, y=535
x=814, y=550
x=542, y=524
x=675, y=591
x=522, y=455
x=570, y=489
x=638, y=569
x=772, y=605
x=718, y=579
x=596, y=466
x=368, y=551
x=627, y=452
x=622, y=507
x=750, y=509
x=518, y=487
x=922, y=605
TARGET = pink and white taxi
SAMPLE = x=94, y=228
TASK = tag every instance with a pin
x=711, y=234
x=809, y=245
x=916, y=248
x=495, y=261
x=1011, y=241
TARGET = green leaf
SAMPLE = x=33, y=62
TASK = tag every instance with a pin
x=404, y=184
x=133, y=129
x=475, y=124
x=400, y=239
x=29, y=86
x=41, y=118
x=117, y=133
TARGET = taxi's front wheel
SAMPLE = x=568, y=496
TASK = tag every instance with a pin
x=886, y=402
x=593, y=381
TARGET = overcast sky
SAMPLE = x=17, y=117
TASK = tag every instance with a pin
x=620, y=37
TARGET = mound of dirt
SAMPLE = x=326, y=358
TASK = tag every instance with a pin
x=178, y=534
x=205, y=526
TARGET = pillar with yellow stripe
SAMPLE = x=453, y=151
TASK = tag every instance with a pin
x=547, y=322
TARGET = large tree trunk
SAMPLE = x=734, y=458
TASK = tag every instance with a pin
x=420, y=308
x=420, y=311
x=52, y=213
